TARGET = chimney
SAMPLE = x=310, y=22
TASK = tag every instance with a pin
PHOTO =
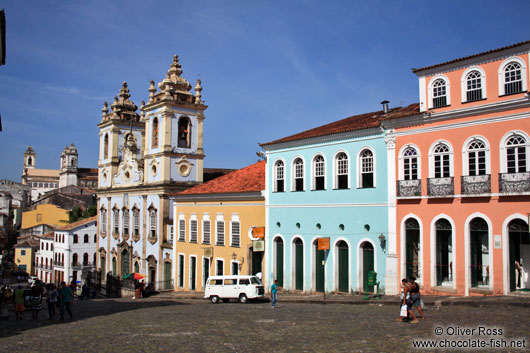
x=385, y=106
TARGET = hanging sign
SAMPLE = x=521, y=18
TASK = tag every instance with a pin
x=258, y=245
x=208, y=252
x=258, y=232
x=323, y=244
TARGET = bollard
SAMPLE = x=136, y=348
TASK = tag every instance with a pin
x=377, y=296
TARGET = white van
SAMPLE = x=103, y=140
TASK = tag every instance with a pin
x=243, y=288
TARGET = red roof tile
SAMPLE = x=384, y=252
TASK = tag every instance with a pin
x=71, y=226
x=353, y=123
x=472, y=56
x=248, y=179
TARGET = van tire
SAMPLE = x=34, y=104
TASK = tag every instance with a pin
x=243, y=298
x=214, y=299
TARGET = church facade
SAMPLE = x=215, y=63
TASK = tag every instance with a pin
x=143, y=158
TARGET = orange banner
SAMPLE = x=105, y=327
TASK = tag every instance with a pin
x=258, y=232
x=323, y=244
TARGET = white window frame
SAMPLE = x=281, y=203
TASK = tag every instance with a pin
x=194, y=234
x=523, y=74
x=235, y=219
x=219, y=259
x=182, y=227
x=463, y=83
x=401, y=159
x=136, y=217
x=275, y=175
x=360, y=167
x=466, y=151
x=431, y=158
x=190, y=272
x=431, y=92
x=336, y=168
x=232, y=262
x=314, y=171
x=206, y=218
x=115, y=220
x=183, y=272
x=153, y=224
x=103, y=212
x=220, y=219
x=504, y=147
x=294, y=173
x=170, y=233
x=126, y=221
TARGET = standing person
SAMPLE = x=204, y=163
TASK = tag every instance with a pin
x=66, y=295
x=415, y=296
x=404, y=296
x=142, y=288
x=36, y=300
x=274, y=294
x=19, y=302
x=51, y=300
x=407, y=302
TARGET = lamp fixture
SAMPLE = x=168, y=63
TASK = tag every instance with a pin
x=382, y=242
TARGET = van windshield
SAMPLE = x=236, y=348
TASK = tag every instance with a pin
x=255, y=280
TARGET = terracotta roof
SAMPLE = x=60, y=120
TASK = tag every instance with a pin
x=472, y=56
x=48, y=235
x=43, y=172
x=248, y=179
x=30, y=243
x=71, y=226
x=353, y=123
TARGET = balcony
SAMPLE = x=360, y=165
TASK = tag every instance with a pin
x=440, y=187
x=511, y=183
x=409, y=188
x=476, y=184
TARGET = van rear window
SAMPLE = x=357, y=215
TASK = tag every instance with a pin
x=255, y=280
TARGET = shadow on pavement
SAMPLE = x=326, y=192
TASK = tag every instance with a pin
x=81, y=309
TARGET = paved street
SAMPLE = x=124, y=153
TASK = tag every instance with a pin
x=169, y=325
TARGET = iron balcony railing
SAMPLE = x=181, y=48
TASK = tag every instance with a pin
x=409, y=188
x=476, y=184
x=514, y=182
x=440, y=186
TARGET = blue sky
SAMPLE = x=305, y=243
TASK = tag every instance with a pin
x=269, y=69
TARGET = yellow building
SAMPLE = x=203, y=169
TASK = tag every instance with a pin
x=25, y=255
x=214, y=225
x=45, y=214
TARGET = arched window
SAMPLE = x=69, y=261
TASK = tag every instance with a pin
x=85, y=239
x=442, y=161
x=106, y=146
x=136, y=220
x=439, y=93
x=319, y=171
x=342, y=171
x=476, y=157
x=298, y=174
x=513, y=82
x=103, y=213
x=85, y=259
x=516, y=154
x=279, y=176
x=76, y=239
x=154, y=133
x=473, y=86
x=152, y=223
x=125, y=221
x=184, y=132
x=410, y=164
x=116, y=213
x=366, y=169
x=74, y=260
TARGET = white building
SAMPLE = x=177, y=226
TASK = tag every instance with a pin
x=75, y=250
x=44, y=258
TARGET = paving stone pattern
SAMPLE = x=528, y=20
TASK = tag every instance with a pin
x=171, y=325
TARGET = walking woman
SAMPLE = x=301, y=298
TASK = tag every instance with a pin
x=415, y=296
x=51, y=300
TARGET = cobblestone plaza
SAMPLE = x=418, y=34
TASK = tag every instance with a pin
x=183, y=325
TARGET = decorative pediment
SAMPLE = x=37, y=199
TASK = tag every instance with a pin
x=184, y=166
x=129, y=173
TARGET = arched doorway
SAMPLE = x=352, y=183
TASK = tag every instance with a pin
x=125, y=269
x=519, y=241
x=151, y=270
x=343, y=266
x=278, y=264
x=167, y=275
x=319, y=267
x=444, y=252
x=298, y=264
x=412, y=248
x=479, y=253
x=367, y=250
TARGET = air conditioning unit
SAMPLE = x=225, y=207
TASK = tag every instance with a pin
x=258, y=245
x=208, y=252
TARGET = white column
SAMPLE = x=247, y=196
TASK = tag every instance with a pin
x=391, y=278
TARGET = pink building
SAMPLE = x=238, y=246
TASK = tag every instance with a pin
x=463, y=176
